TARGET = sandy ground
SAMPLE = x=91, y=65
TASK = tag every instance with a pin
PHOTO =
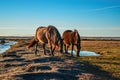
x=21, y=64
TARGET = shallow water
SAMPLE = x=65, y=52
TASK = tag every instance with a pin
x=85, y=53
x=6, y=46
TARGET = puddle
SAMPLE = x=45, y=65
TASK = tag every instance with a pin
x=85, y=53
x=6, y=46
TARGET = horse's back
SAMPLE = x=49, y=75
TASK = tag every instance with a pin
x=67, y=33
x=69, y=37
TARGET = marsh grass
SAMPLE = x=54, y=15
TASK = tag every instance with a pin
x=108, y=63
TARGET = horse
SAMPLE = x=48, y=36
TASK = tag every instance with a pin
x=47, y=35
x=71, y=38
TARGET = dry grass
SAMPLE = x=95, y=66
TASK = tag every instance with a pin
x=20, y=63
x=109, y=62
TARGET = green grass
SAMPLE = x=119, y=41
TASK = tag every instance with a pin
x=107, y=65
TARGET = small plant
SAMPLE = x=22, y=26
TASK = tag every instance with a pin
x=2, y=41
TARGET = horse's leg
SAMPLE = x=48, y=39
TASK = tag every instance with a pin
x=78, y=49
x=36, y=48
x=65, y=48
x=61, y=45
x=72, y=50
x=53, y=50
x=44, y=49
x=50, y=49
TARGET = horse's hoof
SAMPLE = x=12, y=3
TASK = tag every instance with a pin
x=61, y=51
x=49, y=54
x=78, y=56
x=66, y=52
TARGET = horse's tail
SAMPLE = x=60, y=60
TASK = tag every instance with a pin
x=32, y=43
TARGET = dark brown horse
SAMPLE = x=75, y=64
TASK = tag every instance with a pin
x=47, y=35
x=71, y=38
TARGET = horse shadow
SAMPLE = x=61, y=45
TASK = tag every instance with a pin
x=38, y=68
x=86, y=67
x=14, y=57
x=47, y=76
x=48, y=59
x=64, y=71
x=61, y=74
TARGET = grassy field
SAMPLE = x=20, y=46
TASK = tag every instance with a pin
x=106, y=65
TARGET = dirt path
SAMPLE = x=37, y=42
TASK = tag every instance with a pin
x=22, y=64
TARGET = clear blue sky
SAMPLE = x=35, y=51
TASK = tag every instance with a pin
x=91, y=17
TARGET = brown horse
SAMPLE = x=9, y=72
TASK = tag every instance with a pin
x=47, y=35
x=71, y=38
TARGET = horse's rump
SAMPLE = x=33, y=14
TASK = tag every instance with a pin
x=41, y=35
x=53, y=36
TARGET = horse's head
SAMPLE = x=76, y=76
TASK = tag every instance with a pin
x=78, y=48
x=77, y=41
x=59, y=45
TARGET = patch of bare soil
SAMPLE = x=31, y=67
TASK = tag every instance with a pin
x=21, y=64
